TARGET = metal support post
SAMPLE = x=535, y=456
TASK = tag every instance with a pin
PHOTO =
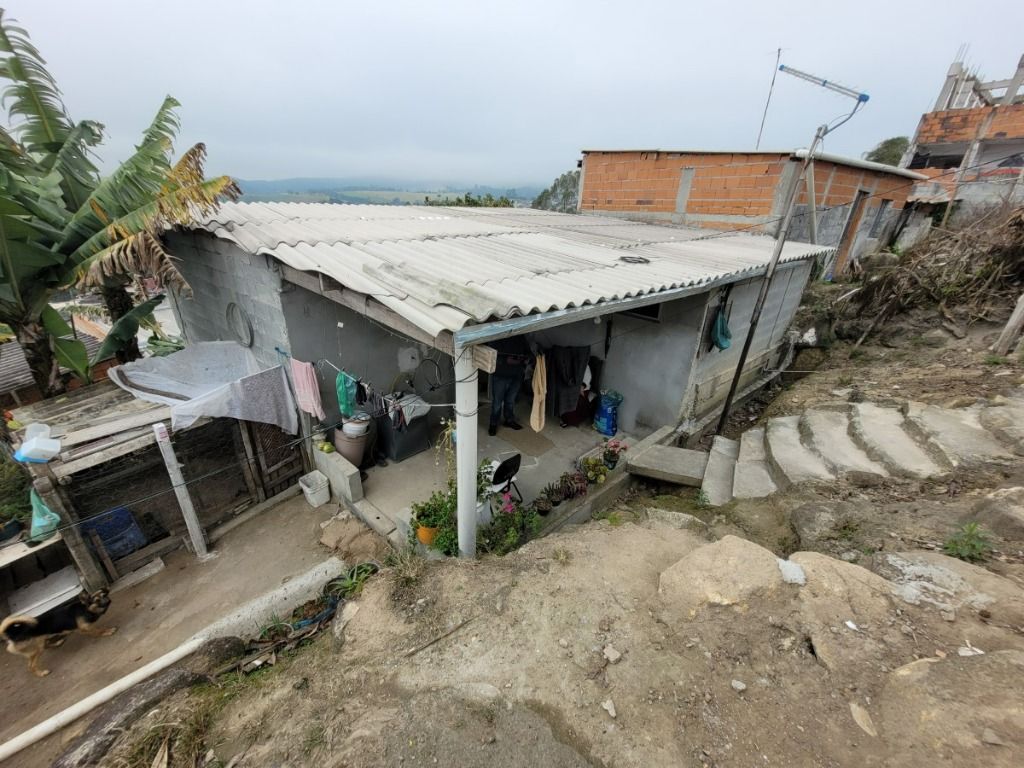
x=766, y=283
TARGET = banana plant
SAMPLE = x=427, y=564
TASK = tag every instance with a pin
x=62, y=224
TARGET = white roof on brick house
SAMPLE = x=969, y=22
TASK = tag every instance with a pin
x=445, y=268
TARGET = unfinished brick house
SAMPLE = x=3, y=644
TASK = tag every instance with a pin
x=971, y=145
x=857, y=203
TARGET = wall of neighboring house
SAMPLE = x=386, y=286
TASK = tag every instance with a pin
x=221, y=274
x=727, y=191
x=975, y=156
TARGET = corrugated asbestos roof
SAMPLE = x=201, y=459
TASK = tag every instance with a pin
x=444, y=268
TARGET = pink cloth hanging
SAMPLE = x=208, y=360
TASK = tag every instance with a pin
x=307, y=390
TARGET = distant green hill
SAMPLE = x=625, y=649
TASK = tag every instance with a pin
x=355, y=190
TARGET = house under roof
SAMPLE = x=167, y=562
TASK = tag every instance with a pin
x=444, y=268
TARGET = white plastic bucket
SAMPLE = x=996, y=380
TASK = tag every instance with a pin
x=355, y=428
x=40, y=449
x=316, y=488
x=36, y=429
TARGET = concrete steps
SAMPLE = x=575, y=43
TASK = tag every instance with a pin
x=828, y=434
x=795, y=462
x=719, y=473
x=672, y=465
x=958, y=434
x=880, y=431
x=752, y=477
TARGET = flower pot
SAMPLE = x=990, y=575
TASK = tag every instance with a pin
x=611, y=461
x=425, y=535
x=555, y=502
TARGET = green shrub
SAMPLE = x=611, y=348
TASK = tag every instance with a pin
x=15, y=486
x=970, y=543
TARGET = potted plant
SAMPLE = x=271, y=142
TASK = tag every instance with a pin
x=554, y=493
x=613, y=449
x=594, y=469
x=543, y=505
x=574, y=484
x=430, y=516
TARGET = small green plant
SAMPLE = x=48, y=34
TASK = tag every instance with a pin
x=573, y=484
x=562, y=556
x=435, y=512
x=14, y=491
x=995, y=360
x=702, y=500
x=970, y=543
x=614, y=519
x=595, y=469
x=554, y=492
x=512, y=526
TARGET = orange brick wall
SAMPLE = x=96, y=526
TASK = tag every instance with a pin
x=732, y=185
x=953, y=126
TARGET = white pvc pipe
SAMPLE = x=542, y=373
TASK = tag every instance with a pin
x=102, y=696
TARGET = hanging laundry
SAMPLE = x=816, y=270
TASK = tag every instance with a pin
x=307, y=389
x=720, y=333
x=346, y=386
x=540, y=389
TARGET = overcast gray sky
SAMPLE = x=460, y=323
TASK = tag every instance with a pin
x=499, y=93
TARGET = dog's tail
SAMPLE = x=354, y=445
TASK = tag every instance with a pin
x=16, y=627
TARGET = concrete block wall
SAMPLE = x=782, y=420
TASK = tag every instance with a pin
x=221, y=273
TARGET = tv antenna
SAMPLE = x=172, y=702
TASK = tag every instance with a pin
x=780, y=239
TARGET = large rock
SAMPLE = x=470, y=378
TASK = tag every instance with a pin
x=838, y=594
x=948, y=584
x=818, y=523
x=1001, y=512
x=957, y=711
x=732, y=571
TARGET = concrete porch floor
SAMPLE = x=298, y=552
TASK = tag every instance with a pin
x=159, y=614
x=546, y=455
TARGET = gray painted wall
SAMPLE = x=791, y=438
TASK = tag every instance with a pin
x=363, y=348
x=221, y=273
x=649, y=362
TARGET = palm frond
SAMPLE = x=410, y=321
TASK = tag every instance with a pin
x=32, y=95
x=140, y=254
x=179, y=206
x=79, y=175
x=133, y=184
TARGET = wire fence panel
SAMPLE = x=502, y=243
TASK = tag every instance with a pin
x=213, y=461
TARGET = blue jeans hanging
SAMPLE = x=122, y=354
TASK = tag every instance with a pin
x=504, y=391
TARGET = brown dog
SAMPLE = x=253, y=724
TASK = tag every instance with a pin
x=30, y=635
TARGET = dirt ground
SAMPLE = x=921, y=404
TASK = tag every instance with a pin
x=648, y=639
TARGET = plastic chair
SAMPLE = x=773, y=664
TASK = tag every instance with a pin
x=503, y=478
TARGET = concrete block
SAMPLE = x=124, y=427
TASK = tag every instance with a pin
x=721, y=467
x=373, y=517
x=795, y=462
x=752, y=478
x=674, y=465
x=880, y=432
x=343, y=475
x=828, y=434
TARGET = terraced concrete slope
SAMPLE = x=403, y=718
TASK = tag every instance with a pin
x=905, y=440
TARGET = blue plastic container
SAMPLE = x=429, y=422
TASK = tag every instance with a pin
x=606, y=420
x=118, y=530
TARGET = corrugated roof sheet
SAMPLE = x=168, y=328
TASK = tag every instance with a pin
x=443, y=268
x=14, y=370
